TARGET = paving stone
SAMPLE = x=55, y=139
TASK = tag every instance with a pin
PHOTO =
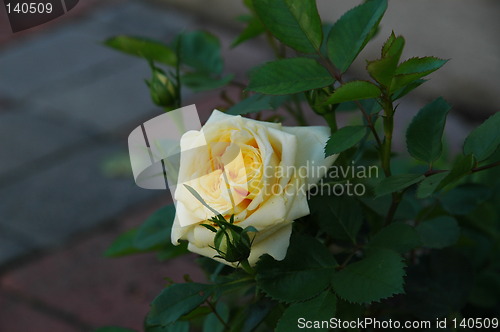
x=105, y=104
x=10, y=247
x=97, y=290
x=71, y=196
x=24, y=138
x=142, y=19
x=54, y=55
x=19, y=317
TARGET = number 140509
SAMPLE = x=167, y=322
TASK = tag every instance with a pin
x=30, y=8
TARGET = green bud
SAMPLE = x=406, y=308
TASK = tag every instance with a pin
x=163, y=91
x=316, y=98
x=231, y=242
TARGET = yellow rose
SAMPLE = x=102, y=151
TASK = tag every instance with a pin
x=258, y=171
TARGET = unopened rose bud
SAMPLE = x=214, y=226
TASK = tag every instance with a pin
x=231, y=242
x=163, y=91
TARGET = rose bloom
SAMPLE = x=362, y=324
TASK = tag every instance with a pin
x=258, y=171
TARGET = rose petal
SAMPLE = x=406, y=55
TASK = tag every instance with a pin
x=310, y=151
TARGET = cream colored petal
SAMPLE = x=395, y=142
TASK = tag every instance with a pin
x=218, y=118
x=288, y=145
x=310, y=151
x=296, y=199
x=275, y=245
x=271, y=212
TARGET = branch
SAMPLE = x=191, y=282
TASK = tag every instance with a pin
x=474, y=170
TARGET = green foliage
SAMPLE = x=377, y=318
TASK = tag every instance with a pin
x=152, y=235
x=352, y=31
x=148, y=49
x=383, y=70
x=397, y=183
x=430, y=184
x=320, y=308
x=212, y=323
x=377, y=276
x=414, y=69
x=421, y=243
x=397, y=236
x=343, y=139
x=341, y=218
x=354, y=90
x=438, y=232
x=301, y=275
x=200, y=50
x=423, y=136
x=256, y=103
x=294, y=22
x=176, y=301
x=253, y=29
x=485, y=139
x=289, y=76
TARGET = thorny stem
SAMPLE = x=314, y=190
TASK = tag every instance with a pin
x=385, y=154
x=214, y=310
x=338, y=76
x=388, y=129
x=474, y=170
x=395, y=200
x=348, y=259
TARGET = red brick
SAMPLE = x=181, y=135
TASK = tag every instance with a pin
x=19, y=317
x=97, y=290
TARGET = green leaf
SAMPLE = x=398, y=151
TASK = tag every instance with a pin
x=176, y=301
x=397, y=183
x=113, y=329
x=439, y=232
x=397, y=236
x=145, y=48
x=212, y=322
x=465, y=198
x=296, y=23
x=175, y=327
x=343, y=139
x=413, y=69
x=352, y=32
x=200, y=81
x=320, y=308
x=438, y=285
x=485, y=139
x=253, y=29
x=256, y=103
x=407, y=89
x=341, y=217
x=377, y=276
x=155, y=231
x=288, y=76
x=355, y=90
x=123, y=245
x=461, y=167
x=200, y=50
x=429, y=185
x=420, y=65
x=249, y=317
x=423, y=137
x=301, y=275
x=382, y=70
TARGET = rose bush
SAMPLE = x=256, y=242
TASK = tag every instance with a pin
x=420, y=243
x=258, y=171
